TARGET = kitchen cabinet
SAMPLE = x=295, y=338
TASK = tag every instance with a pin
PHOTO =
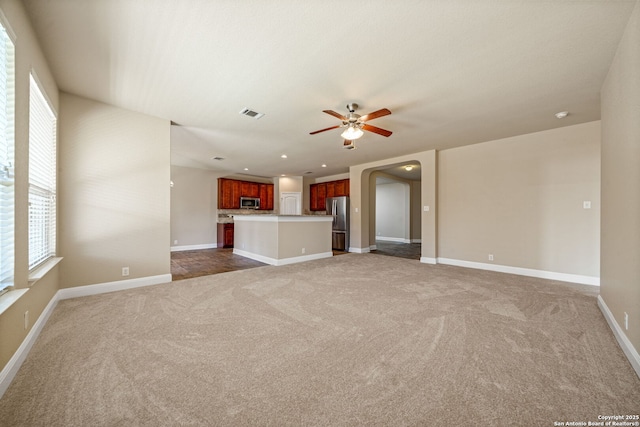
x=331, y=189
x=225, y=235
x=228, y=193
x=266, y=197
x=249, y=189
x=341, y=188
x=317, y=196
x=318, y=193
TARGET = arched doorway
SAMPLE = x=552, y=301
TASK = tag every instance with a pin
x=363, y=201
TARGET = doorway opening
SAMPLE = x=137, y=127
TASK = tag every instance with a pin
x=396, y=213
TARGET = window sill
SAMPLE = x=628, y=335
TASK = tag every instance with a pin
x=43, y=269
x=8, y=298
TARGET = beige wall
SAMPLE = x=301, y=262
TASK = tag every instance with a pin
x=257, y=237
x=280, y=238
x=114, y=193
x=416, y=211
x=194, y=206
x=521, y=199
x=314, y=237
x=28, y=57
x=620, y=276
x=392, y=211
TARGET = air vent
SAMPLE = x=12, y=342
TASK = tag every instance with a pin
x=217, y=158
x=307, y=173
x=250, y=113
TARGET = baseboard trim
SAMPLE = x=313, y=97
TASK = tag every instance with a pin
x=360, y=250
x=120, y=285
x=427, y=260
x=283, y=261
x=628, y=348
x=393, y=239
x=12, y=367
x=193, y=247
x=542, y=274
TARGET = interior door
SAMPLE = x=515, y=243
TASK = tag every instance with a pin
x=291, y=203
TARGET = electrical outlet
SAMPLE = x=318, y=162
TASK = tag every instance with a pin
x=425, y=208
x=125, y=271
x=586, y=204
x=303, y=250
x=26, y=319
x=175, y=242
x=626, y=321
x=490, y=257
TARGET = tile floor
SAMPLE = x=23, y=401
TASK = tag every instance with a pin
x=203, y=262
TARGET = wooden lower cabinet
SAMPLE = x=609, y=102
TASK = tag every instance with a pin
x=225, y=235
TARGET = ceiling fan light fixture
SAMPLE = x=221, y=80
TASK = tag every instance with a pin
x=352, y=132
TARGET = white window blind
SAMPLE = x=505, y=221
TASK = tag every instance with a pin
x=42, y=177
x=7, y=144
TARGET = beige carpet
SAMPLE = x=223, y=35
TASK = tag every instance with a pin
x=349, y=340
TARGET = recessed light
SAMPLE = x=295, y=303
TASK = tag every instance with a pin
x=408, y=168
x=246, y=169
x=562, y=114
x=324, y=166
x=284, y=156
x=283, y=175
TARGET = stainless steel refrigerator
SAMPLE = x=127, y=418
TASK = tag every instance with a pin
x=338, y=207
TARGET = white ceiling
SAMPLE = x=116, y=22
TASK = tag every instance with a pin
x=452, y=72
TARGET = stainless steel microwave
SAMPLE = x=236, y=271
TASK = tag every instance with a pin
x=249, y=203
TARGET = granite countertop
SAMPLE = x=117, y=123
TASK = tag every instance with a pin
x=226, y=216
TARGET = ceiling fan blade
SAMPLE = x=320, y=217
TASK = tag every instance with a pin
x=322, y=130
x=334, y=114
x=377, y=130
x=375, y=115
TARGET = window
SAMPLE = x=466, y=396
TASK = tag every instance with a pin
x=7, y=144
x=42, y=177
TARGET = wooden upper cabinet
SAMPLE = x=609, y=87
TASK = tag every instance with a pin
x=313, y=197
x=249, y=189
x=230, y=191
x=318, y=193
x=322, y=196
x=341, y=188
x=266, y=196
x=228, y=194
x=331, y=189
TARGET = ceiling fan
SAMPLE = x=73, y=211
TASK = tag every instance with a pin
x=355, y=124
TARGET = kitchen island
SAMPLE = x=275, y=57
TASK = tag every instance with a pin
x=283, y=239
